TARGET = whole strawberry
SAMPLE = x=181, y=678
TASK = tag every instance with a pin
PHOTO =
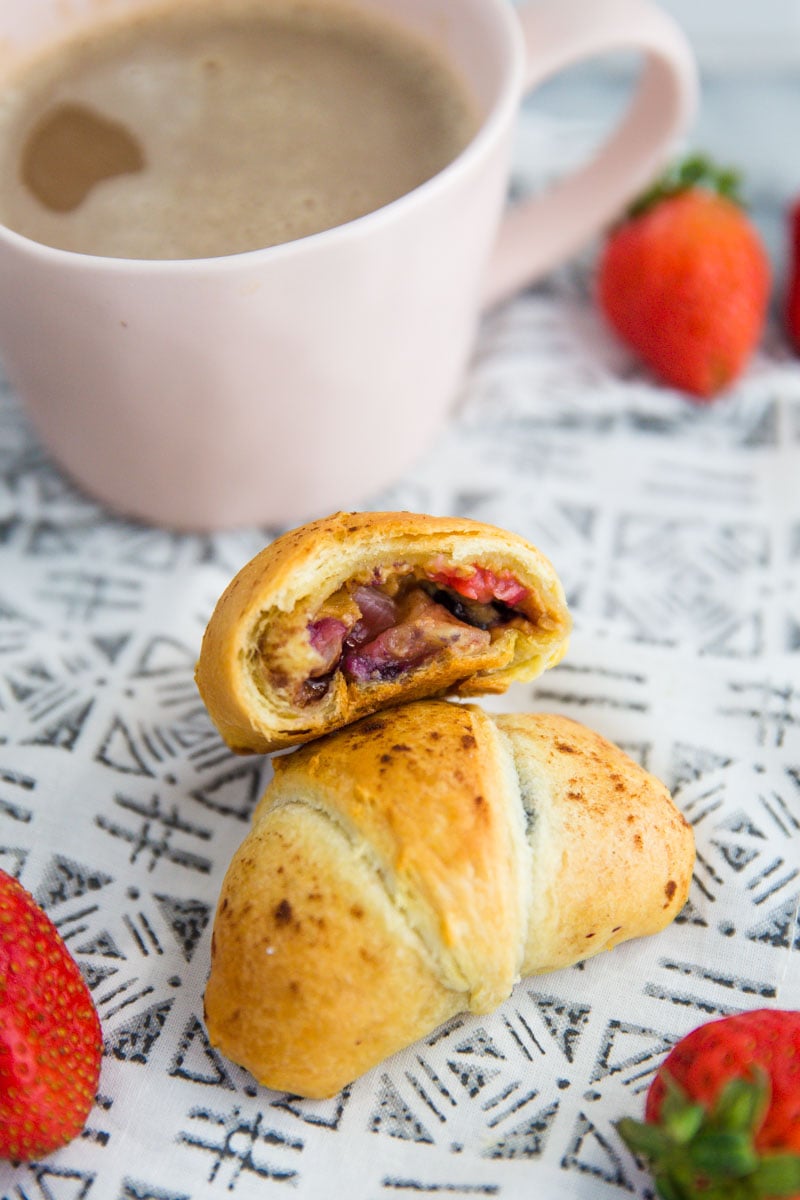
x=723, y=1113
x=50, y=1040
x=685, y=280
x=793, y=290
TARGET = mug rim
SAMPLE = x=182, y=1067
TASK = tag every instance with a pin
x=501, y=113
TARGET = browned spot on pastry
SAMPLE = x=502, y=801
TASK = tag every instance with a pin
x=386, y=758
x=357, y=911
x=479, y=801
x=224, y=905
x=574, y=795
x=616, y=929
x=372, y=726
x=565, y=748
x=434, y=735
x=590, y=935
x=294, y=987
x=283, y=913
x=468, y=741
x=631, y=818
x=670, y=889
x=637, y=841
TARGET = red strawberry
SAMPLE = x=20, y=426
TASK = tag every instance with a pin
x=50, y=1039
x=793, y=297
x=723, y=1113
x=685, y=280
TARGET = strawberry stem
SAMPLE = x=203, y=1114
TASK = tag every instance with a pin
x=697, y=171
x=711, y=1154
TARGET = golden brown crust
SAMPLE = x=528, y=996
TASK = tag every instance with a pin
x=413, y=866
x=257, y=637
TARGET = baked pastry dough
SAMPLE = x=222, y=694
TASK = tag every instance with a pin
x=415, y=865
x=351, y=614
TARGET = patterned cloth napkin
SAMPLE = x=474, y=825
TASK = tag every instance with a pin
x=676, y=530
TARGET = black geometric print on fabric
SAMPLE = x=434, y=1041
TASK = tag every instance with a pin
x=526, y=1139
x=592, y=1153
x=234, y=792
x=242, y=1144
x=14, y=790
x=778, y=927
x=473, y=1077
x=690, y=762
x=326, y=1114
x=101, y=943
x=152, y=835
x=133, y=1041
x=134, y=1189
x=58, y=1183
x=95, y=973
x=13, y=859
x=627, y=1048
x=118, y=750
x=197, y=1060
x=162, y=656
x=186, y=918
x=478, y=1042
x=565, y=1021
x=64, y=879
x=393, y=1117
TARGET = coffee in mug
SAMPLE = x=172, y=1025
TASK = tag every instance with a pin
x=198, y=130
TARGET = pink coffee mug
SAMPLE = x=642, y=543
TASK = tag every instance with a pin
x=269, y=386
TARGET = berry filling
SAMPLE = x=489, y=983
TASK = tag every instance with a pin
x=381, y=636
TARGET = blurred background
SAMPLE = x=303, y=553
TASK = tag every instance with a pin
x=748, y=52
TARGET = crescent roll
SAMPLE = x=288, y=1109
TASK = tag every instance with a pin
x=416, y=865
x=349, y=615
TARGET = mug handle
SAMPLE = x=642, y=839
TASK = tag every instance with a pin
x=539, y=233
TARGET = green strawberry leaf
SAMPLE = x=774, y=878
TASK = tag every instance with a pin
x=697, y=171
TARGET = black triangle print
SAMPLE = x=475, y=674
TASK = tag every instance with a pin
x=197, y=1060
x=473, y=1077
x=742, y=639
x=778, y=927
x=95, y=973
x=327, y=1113
x=478, y=1042
x=111, y=646
x=736, y=856
x=12, y=860
x=689, y=915
x=392, y=1116
x=103, y=943
x=626, y=1046
x=133, y=1041
x=187, y=919
x=592, y=1154
x=65, y=879
x=48, y=539
x=565, y=1022
x=65, y=731
x=526, y=1140
x=741, y=822
x=63, y=1183
x=690, y=762
x=234, y=792
x=164, y=656
x=118, y=750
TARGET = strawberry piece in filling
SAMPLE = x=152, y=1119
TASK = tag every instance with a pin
x=393, y=635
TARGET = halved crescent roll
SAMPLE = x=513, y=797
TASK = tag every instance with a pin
x=361, y=611
x=414, y=866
